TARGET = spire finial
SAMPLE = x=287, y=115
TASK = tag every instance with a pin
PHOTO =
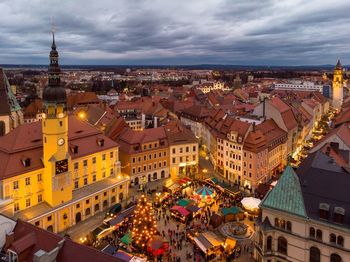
x=53, y=29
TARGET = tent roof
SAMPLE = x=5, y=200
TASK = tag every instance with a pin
x=181, y=210
x=127, y=238
x=183, y=202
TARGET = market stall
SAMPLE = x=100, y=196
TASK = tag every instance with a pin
x=210, y=244
x=251, y=204
x=194, y=210
x=232, y=214
x=180, y=213
x=157, y=246
x=171, y=186
x=216, y=220
x=184, y=202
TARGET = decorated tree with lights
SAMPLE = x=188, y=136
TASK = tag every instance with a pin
x=144, y=223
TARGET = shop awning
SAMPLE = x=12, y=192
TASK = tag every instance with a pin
x=213, y=238
x=193, y=208
x=184, y=202
x=230, y=242
x=251, y=203
x=200, y=245
x=231, y=210
x=124, y=256
x=181, y=210
x=127, y=238
x=122, y=216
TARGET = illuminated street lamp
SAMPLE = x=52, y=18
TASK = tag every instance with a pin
x=82, y=115
x=205, y=171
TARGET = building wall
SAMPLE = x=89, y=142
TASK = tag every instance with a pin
x=183, y=159
x=299, y=239
x=147, y=165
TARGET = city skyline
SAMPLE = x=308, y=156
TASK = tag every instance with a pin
x=182, y=33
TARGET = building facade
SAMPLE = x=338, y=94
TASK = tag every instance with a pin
x=61, y=170
x=300, y=220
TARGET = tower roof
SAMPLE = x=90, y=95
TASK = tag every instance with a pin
x=54, y=93
x=338, y=65
x=286, y=196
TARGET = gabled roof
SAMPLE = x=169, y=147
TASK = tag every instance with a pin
x=286, y=196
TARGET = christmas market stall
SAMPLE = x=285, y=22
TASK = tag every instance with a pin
x=215, y=220
x=180, y=213
x=210, y=244
x=232, y=214
x=194, y=210
x=185, y=182
x=251, y=205
x=157, y=246
x=184, y=202
x=171, y=186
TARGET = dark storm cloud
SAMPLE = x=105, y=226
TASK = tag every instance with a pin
x=290, y=32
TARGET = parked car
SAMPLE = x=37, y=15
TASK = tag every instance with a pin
x=114, y=210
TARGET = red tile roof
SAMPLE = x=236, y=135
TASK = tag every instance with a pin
x=28, y=239
x=25, y=141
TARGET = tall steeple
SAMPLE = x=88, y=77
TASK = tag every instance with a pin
x=337, y=86
x=54, y=93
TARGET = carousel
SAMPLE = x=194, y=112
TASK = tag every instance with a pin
x=204, y=195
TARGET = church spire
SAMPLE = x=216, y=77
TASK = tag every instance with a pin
x=54, y=93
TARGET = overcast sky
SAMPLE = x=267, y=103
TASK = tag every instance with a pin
x=240, y=32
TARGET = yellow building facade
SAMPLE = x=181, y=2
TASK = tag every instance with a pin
x=61, y=171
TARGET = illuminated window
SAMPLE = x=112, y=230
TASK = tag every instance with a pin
x=28, y=202
x=15, y=185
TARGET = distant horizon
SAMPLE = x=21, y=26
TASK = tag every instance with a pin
x=179, y=33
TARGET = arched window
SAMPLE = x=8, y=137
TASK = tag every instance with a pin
x=113, y=199
x=315, y=255
x=283, y=224
x=340, y=241
x=282, y=245
x=332, y=238
x=319, y=234
x=277, y=224
x=335, y=258
x=121, y=196
x=49, y=228
x=87, y=212
x=105, y=203
x=312, y=232
x=289, y=226
x=155, y=176
x=269, y=243
x=97, y=207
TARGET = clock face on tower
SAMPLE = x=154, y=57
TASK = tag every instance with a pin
x=60, y=142
x=61, y=166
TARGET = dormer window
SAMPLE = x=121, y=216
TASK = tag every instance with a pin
x=74, y=149
x=339, y=214
x=100, y=142
x=26, y=161
x=324, y=210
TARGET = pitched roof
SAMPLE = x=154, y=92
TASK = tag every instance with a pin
x=29, y=239
x=8, y=102
x=25, y=141
x=286, y=196
x=324, y=181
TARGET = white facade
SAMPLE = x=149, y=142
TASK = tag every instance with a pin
x=298, y=86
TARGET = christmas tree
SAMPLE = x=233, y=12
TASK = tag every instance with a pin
x=144, y=223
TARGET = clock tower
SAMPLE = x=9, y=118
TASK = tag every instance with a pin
x=338, y=86
x=57, y=177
